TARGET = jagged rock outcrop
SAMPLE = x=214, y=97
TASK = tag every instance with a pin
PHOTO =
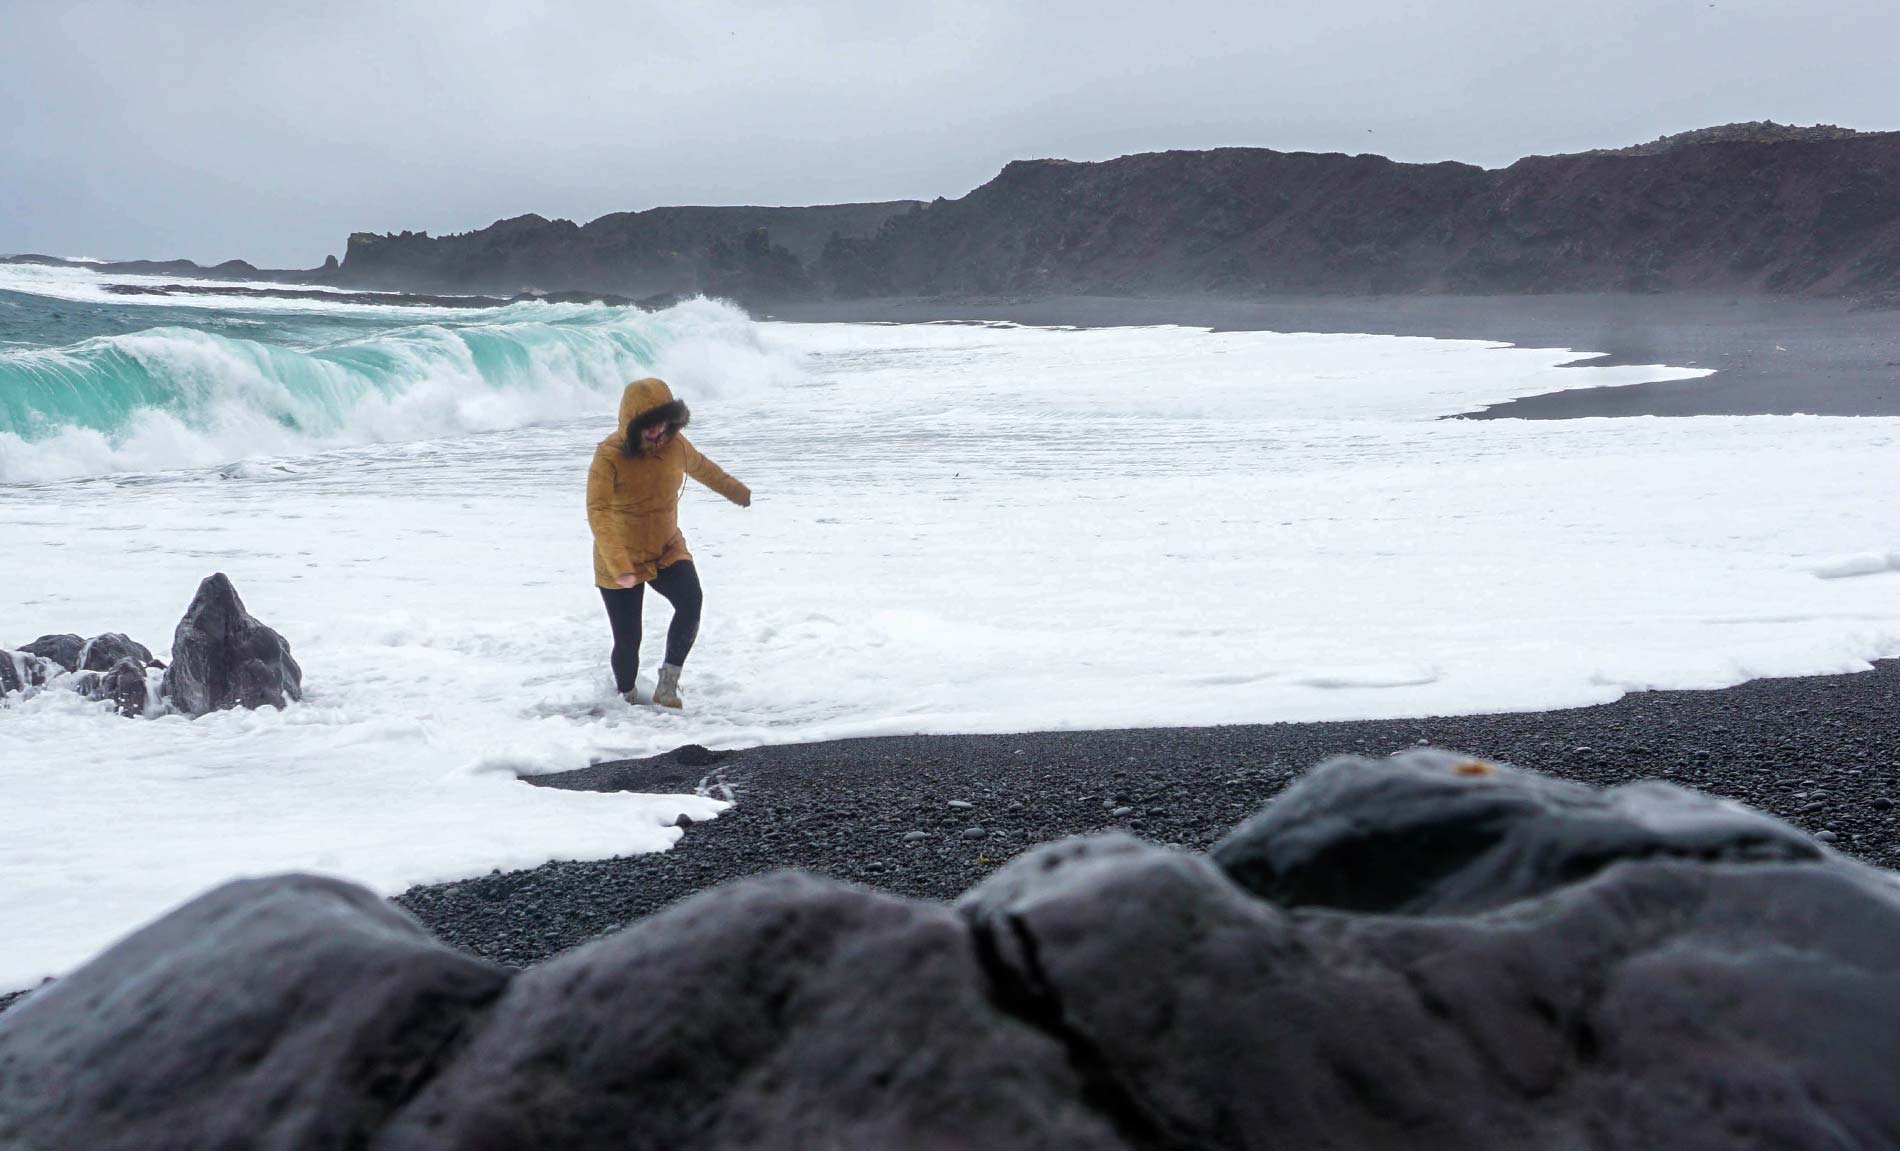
x=1634, y=969
x=222, y=657
x=11, y=677
x=21, y=670
x=105, y=652
x=63, y=650
x=102, y=656
x=124, y=684
x=109, y=666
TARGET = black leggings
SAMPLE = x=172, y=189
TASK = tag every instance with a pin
x=679, y=583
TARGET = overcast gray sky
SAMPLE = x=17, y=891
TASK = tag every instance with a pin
x=255, y=130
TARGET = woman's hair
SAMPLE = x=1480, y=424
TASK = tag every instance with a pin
x=674, y=415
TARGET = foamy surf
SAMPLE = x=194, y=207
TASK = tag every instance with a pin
x=87, y=286
x=958, y=528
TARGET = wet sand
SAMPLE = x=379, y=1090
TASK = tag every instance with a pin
x=929, y=816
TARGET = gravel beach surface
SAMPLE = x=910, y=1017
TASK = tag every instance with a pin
x=928, y=816
x=1772, y=355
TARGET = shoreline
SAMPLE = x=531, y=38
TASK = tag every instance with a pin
x=1773, y=356
x=793, y=796
x=1817, y=751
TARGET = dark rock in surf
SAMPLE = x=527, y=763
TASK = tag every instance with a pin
x=63, y=650
x=222, y=657
x=19, y=671
x=125, y=686
x=111, y=656
x=104, y=652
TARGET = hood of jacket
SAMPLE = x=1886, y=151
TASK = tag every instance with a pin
x=645, y=403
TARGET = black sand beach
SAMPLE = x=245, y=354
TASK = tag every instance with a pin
x=927, y=816
x=1773, y=356
x=1823, y=752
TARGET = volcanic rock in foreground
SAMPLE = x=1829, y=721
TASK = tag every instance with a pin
x=222, y=657
x=1418, y=838
x=1509, y=964
x=284, y=1012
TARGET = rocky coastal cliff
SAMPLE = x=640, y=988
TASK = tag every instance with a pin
x=1793, y=216
x=1758, y=209
x=744, y=253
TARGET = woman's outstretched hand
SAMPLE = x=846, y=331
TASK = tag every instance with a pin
x=627, y=580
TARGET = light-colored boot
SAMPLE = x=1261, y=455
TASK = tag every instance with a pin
x=666, y=693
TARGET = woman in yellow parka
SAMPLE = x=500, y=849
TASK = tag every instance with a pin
x=633, y=497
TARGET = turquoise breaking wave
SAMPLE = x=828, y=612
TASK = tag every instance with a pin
x=237, y=384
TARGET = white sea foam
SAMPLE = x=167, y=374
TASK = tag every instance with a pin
x=88, y=286
x=956, y=529
x=1864, y=564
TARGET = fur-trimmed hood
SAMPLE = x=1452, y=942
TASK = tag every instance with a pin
x=644, y=404
x=633, y=496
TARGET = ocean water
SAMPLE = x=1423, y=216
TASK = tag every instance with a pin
x=956, y=528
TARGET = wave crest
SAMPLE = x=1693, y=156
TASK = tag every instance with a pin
x=180, y=397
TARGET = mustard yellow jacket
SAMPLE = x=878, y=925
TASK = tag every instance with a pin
x=633, y=500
